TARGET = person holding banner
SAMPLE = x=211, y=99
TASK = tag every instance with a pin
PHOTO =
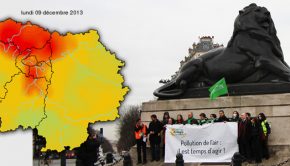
x=140, y=136
x=191, y=119
x=155, y=128
x=166, y=117
x=203, y=119
x=179, y=119
x=170, y=122
x=222, y=117
x=235, y=117
x=213, y=118
x=248, y=116
x=165, y=120
x=244, y=136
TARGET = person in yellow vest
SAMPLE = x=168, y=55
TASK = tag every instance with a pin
x=141, y=138
x=266, y=132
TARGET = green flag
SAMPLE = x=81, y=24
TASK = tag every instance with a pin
x=218, y=89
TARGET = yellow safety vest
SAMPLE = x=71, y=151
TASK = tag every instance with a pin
x=263, y=124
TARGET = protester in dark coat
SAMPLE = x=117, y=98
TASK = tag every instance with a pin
x=88, y=152
x=140, y=136
x=179, y=119
x=266, y=131
x=222, y=117
x=155, y=129
x=235, y=117
x=244, y=136
x=248, y=116
x=190, y=119
x=255, y=143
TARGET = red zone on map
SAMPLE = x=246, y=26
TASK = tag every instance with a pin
x=33, y=49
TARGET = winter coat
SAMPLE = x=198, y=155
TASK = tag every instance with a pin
x=223, y=119
x=156, y=127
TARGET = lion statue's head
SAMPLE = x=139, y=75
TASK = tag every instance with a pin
x=256, y=20
x=254, y=17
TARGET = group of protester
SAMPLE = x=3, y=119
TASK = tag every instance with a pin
x=253, y=133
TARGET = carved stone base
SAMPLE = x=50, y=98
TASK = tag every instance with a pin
x=239, y=89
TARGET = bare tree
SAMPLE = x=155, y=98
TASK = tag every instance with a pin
x=126, y=127
x=107, y=146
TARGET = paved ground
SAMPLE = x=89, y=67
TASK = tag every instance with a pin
x=72, y=163
x=69, y=162
x=271, y=162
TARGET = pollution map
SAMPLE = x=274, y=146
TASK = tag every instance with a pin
x=57, y=83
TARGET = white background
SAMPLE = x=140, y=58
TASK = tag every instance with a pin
x=16, y=148
x=151, y=36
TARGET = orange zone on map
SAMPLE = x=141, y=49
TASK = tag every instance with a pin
x=33, y=48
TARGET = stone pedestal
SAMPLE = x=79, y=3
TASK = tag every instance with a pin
x=275, y=106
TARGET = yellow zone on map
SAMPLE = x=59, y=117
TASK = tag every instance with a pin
x=86, y=87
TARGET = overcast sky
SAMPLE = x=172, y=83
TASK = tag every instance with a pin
x=151, y=36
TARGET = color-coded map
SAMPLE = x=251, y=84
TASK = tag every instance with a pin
x=56, y=82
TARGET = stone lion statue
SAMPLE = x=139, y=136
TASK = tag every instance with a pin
x=253, y=55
